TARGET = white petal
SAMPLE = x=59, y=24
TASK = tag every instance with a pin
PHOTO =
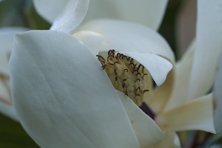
x=91, y=39
x=182, y=77
x=146, y=12
x=177, y=141
x=50, y=9
x=162, y=94
x=156, y=65
x=195, y=115
x=218, y=98
x=71, y=16
x=146, y=130
x=208, y=47
x=130, y=37
x=123, y=10
x=62, y=96
x=9, y=111
x=167, y=141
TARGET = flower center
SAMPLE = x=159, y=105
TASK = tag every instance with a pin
x=126, y=75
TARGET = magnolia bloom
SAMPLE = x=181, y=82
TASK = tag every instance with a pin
x=6, y=40
x=63, y=97
x=187, y=107
x=51, y=13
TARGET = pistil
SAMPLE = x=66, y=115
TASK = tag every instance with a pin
x=126, y=75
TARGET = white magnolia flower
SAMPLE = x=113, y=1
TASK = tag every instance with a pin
x=176, y=110
x=47, y=85
x=64, y=98
x=6, y=40
x=60, y=8
x=187, y=108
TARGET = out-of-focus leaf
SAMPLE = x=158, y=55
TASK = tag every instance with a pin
x=11, y=13
x=12, y=135
x=35, y=21
x=214, y=140
x=167, y=28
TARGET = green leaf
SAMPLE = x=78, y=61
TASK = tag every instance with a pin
x=11, y=13
x=35, y=21
x=12, y=135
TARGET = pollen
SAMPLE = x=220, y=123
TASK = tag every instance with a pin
x=126, y=75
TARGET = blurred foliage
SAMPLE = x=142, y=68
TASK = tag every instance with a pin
x=167, y=28
x=21, y=13
x=214, y=141
x=12, y=135
x=35, y=21
x=11, y=13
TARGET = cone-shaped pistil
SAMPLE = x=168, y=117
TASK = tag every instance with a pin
x=126, y=75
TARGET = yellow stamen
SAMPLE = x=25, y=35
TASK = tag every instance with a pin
x=125, y=75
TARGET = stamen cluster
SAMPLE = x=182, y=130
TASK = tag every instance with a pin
x=126, y=75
